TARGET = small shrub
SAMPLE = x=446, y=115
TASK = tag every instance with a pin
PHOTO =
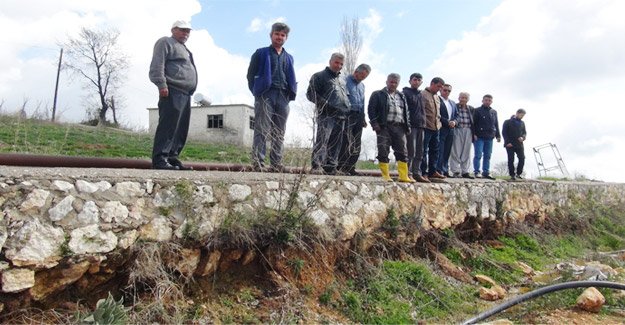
x=297, y=266
x=108, y=311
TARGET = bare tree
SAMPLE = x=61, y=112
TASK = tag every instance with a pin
x=23, y=108
x=95, y=56
x=351, y=43
x=500, y=169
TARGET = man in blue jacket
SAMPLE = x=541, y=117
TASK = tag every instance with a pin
x=350, y=147
x=271, y=79
x=485, y=129
x=514, y=135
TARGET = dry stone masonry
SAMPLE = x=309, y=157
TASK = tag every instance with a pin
x=59, y=225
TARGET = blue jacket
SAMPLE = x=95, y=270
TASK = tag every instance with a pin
x=355, y=93
x=259, y=73
x=445, y=119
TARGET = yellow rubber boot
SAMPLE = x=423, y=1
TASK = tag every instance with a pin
x=385, y=173
x=402, y=170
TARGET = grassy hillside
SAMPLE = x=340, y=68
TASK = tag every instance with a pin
x=33, y=136
x=41, y=137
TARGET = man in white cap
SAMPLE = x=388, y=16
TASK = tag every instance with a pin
x=173, y=71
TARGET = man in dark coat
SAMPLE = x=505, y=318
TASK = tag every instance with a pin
x=514, y=135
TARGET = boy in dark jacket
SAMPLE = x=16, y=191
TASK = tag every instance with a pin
x=513, y=137
x=416, y=114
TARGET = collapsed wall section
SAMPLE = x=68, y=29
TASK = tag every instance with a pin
x=62, y=227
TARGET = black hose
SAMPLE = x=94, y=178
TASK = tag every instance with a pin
x=540, y=292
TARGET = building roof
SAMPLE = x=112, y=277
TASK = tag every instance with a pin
x=216, y=106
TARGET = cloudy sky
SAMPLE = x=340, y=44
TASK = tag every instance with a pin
x=561, y=60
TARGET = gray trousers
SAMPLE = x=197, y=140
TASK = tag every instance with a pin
x=271, y=111
x=328, y=142
x=350, y=148
x=460, y=160
x=392, y=135
x=415, y=150
x=174, y=115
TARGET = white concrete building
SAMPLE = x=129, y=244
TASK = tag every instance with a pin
x=231, y=124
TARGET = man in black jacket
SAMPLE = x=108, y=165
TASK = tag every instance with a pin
x=329, y=93
x=388, y=116
x=485, y=129
x=513, y=137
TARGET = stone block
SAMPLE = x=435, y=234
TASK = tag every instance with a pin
x=16, y=280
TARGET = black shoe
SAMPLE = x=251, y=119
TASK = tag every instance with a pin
x=259, y=169
x=330, y=171
x=177, y=163
x=488, y=176
x=519, y=177
x=512, y=178
x=316, y=171
x=165, y=166
x=353, y=172
x=448, y=175
x=276, y=169
x=467, y=175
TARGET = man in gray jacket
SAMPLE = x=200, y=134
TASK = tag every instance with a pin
x=329, y=93
x=173, y=71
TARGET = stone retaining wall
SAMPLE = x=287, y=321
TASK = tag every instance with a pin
x=52, y=216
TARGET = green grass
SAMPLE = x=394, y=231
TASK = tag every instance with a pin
x=32, y=136
x=404, y=292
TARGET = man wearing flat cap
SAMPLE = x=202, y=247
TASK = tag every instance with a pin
x=173, y=71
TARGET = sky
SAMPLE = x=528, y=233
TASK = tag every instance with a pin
x=560, y=60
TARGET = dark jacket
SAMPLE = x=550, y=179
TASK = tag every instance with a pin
x=415, y=107
x=512, y=130
x=259, y=73
x=329, y=93
x=445, y=118
x=379, y=106
x=485, y=123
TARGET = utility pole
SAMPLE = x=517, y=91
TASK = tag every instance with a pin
x=56, y=88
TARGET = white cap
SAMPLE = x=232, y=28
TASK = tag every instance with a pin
x=181, y=24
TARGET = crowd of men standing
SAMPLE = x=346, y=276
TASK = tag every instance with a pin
x=430, y=134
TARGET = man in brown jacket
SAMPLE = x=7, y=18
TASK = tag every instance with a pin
x=431, y=105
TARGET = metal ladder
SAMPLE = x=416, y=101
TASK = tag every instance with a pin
x=542, y=169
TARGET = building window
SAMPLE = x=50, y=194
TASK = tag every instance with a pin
x=252, y=121
x=216, y=121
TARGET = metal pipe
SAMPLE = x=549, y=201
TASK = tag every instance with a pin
x=17, y=159
x=541, y=291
